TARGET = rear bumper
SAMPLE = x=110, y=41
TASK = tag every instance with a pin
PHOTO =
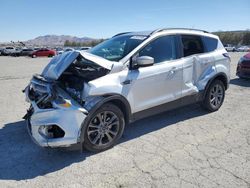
x=243, y=72
x=243, y=75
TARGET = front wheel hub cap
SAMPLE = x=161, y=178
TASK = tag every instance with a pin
x=103, y=128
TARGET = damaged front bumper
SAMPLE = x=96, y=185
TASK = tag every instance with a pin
x=57, y=124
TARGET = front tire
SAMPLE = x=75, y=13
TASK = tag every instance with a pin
x=214, y=96
x=104, y=128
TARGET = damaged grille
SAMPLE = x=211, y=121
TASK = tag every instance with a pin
x=41, y=91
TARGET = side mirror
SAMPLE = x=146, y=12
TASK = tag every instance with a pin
x=143, y=61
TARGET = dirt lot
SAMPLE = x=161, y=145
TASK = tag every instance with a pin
x=183, y=148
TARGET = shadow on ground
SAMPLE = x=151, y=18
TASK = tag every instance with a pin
x=21, y=159
x=240, y=82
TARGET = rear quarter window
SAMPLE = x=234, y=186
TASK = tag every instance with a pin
x=192, y=44
x=210, y=44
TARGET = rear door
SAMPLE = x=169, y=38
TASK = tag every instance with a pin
x=45, y=52
x=39, y=52
x=196, y=63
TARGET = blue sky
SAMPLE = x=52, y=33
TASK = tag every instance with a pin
x=27, y=19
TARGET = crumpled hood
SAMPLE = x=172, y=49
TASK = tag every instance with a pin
x=61, y=62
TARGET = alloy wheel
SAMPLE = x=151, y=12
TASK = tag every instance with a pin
x=103, y=128
x=216, y=95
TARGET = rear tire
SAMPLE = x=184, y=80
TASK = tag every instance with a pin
x=214, y=96
x=104, y=128
x=33, y=56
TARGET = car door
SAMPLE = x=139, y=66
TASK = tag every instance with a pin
x=196, y=64
x=45, y=52
x=40, y=52
x=158, y=84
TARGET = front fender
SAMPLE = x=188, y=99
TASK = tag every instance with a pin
x=98, y=101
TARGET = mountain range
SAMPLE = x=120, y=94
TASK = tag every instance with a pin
x=56, y=40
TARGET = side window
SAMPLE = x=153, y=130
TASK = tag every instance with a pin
x=161, y=49
x=192, y=44
x=210, y=44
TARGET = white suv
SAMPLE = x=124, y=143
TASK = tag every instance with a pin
x=89, y=97
x=8, y=50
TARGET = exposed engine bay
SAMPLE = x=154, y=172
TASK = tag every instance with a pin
x=42, y=90
x=79, y=72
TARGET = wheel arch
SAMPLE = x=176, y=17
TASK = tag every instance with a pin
x=116, y=99
x=222, y=77
x=121, y=102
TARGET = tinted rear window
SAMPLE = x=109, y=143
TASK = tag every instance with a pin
x=210, y=44
x=192, y=44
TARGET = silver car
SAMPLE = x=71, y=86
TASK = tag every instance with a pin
x=87, y=98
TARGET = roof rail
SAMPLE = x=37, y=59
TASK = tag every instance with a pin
x=165, y=29
x=120, y=34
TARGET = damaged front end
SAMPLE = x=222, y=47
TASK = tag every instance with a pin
x=58, y=98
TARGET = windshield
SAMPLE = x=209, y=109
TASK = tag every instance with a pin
x=117, y=47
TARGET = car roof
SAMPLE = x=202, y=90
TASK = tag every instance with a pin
x=152, y=32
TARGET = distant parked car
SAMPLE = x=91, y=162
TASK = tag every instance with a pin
x=1, y=49
x=230, y=48
x=244, y=49
x=68, y=49
x=23, y=52
x=8, y=50
x=43, y=53
x=59, y=50
x=243, y=68
x=84, y=48
x=16, y=51
x=37, y=48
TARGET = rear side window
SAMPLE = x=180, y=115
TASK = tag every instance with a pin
x=161, y=49
x=192, y=44
x=210, y=44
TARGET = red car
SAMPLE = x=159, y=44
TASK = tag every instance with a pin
x=43, y=53
x=243, y=68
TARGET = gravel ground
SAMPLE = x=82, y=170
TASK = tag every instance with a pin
x=186, y=148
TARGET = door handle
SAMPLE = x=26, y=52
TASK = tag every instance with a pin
x=127, y=82
x=171, y=73
x=173, y=70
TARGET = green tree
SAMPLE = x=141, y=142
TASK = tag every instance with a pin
x=90, y=43
x=67, y=43
x=246, y=39
x=73, y=44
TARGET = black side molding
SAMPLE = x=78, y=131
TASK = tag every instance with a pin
x=191, y=99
